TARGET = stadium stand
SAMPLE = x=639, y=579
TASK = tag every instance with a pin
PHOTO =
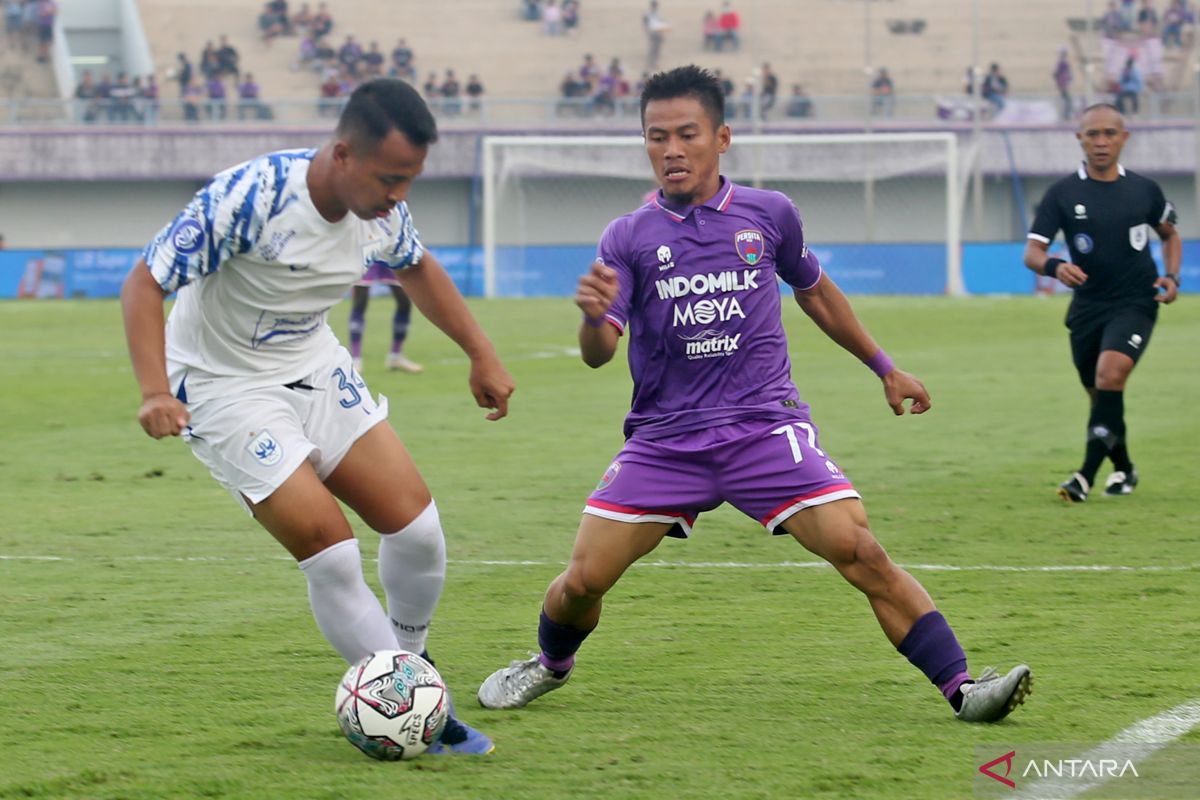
x=928, y=54
x=21, y=75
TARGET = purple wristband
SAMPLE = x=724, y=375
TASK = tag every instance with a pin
x=593, y=323
x=880, y=364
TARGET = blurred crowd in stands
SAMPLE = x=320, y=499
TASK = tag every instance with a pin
x=217, y=87
x=29, y=26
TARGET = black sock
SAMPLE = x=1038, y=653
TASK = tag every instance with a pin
x=1106, y=424
x=1120, y=457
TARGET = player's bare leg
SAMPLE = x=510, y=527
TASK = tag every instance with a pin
x=838, y=533
x=379, y=480
x=603, y=550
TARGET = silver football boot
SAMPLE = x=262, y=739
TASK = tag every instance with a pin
x=519, y=683
x=991, y=698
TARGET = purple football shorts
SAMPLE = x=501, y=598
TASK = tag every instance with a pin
x=766, y=470
x=378, y=273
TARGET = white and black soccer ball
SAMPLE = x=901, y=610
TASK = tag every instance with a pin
x=392, y=705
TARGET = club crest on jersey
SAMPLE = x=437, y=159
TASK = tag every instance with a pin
x=610, y=475
x=266, y=449
x=187, y=236
x=1138, y=236
x=749, y=246
x=1083, y=243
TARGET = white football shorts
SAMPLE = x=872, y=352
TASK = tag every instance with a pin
x=252, y=440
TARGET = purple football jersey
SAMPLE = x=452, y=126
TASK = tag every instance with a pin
x=698, y=292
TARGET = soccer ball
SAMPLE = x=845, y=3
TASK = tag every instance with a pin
x=392, y=705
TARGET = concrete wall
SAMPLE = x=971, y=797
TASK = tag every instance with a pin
x=127, y=214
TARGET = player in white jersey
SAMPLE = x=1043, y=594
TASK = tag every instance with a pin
x=251, y=375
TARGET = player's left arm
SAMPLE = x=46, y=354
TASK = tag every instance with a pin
x=436, y=296
x=1172, y=247
x=827, y=306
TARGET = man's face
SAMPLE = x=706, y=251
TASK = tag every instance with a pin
x=372, y=180
x=685, y=148
x=1102, y=135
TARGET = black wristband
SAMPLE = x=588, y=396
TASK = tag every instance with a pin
x=1050, y=268
x=1174, y=279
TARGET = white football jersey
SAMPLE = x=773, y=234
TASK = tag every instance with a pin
x=257, y=269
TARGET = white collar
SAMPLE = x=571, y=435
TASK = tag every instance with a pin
x=1083, y=175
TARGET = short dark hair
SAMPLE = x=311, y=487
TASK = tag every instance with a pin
x=689, y=81
x=383, y=104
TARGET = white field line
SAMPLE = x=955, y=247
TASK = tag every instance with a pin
x=1136, y=743
x=659, y=564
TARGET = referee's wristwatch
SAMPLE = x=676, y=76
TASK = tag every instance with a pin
x=1174, y=276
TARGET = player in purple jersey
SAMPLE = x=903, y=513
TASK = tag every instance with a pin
x=378, y=274
x=250, y=374
x=715, y=416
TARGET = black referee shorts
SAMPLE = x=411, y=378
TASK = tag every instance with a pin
x=1125, y=330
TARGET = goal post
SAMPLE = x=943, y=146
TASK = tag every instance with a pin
x=878, y=206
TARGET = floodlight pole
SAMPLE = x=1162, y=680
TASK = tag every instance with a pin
x=1089, y=54
x=1196, y=117
x=976, y=124
x=869, y=179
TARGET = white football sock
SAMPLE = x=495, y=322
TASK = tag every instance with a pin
x=412, y=569
x=347, y=611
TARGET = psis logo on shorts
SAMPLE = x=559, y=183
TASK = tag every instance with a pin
x=187, y=236
x=1083, y=243
x=264, y=447
x=610, y=475
x=749, y=246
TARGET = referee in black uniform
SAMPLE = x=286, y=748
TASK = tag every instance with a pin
x=1105, y=213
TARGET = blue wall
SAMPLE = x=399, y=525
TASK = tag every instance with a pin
x=990, y=268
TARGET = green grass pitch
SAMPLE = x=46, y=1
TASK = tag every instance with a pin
x=154, y=643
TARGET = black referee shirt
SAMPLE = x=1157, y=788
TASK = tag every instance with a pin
x=1107, y=226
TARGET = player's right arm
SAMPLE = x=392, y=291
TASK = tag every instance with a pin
x=1037, y=255
x=1046, y=226
x=161, y=413
x=604, y=294
x=218, y=223
x=595, y=294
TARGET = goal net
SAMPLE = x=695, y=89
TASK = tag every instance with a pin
x=882, y=210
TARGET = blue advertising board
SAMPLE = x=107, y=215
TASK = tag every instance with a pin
x=552, y=271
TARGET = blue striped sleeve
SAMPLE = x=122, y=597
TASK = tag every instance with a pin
x=405, y=248
x=225, y=218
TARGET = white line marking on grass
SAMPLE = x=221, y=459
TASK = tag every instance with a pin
x=538, y=355
x=1136, y=743
x=659, y=564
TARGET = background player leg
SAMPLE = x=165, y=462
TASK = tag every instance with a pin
x=838, y=532
x=604, y=549
x=378, y=479
x=360, y=296
x=400, y=321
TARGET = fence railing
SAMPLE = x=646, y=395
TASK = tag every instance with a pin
x=552, y=112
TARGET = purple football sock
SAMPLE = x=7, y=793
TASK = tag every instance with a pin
x=559, y=643
x=931, y=647
x=358, y=323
